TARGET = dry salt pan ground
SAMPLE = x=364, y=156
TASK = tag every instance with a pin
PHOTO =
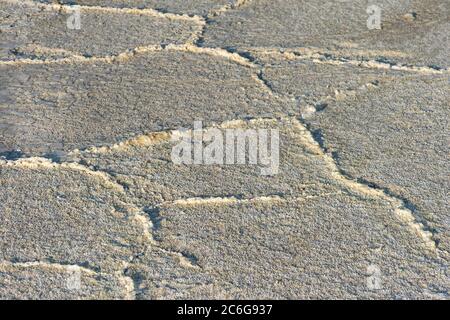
x=93, y=207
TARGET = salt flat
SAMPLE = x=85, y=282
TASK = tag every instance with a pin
x=92, y=97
